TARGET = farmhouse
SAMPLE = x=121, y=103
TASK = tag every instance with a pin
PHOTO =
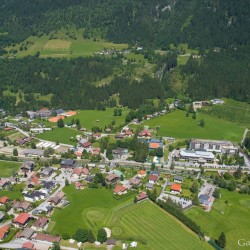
x=120, y=190
x=224, y=147
x=68, y=163
x=120, y=153
x=57, y=198
x=46, y=172
x=21, y=220
x=4, y=232
x=47, y=238
x=27, y=166
x=178, y=179
x=175, y=188
x=112, y=178
x=135, y=181
x=3, y=183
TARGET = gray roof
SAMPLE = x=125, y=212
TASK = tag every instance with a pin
x=59, y=111
x=47, y=171
x=31, y=151
x=178, y=177
x=149, y=185
x=68, y=162
x=27, y=233
x=2, y=215
x=156, y=172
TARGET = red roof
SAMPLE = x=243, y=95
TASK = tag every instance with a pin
x=87, y=144
x=142, y=196
x=22, y=218
x=154, y=145
x=48, y=238
x=128, y=132
x=4, y=199
x=3, y=231
x=77, y=171
x=78, y=185
x=141, y=172
x=35, y=180
x=28, y=245
x=119, y=188
x=176, y=187
x=85, y=171
x=153, y=177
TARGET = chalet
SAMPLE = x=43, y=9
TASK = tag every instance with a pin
x=112, y=178
x=175, y=188
x=77, y=172
x=34, y=196
x=78, y=185
x=4, y=183
x=120, y=190
x=178, y=179
x=22, y=206
x=145, y=133
x=21, y=220
x=2, y=216
x=120, y=153
x=87, y=144
x=47, y=238
x=96, y=151
x=135, y=182
x=141, y=173
x=27, y=166
x=152, y=179
x=4, y=232
x=49, y=185
x=46, y=172
x=68, y=163
x=156, y=172
x=45, y=207
x=40, y=224
x=141, y=196
x=129, y=133
x=4, y=200
x=33, y=181
x=57, y=198
x=149, y=186
x=26, y=234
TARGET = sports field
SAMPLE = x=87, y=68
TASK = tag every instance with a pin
x=62, y=135
x=91, y=118
x=232, y=218
x=7, y=168
x=96, y=208
x=175, y=124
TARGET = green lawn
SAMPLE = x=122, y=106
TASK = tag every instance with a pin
x=97, y=208
x=231, y=110
x=7, y=168
x=175, y=124
x=16, y=193
x=63, y=135
x=91, y=118
x=231, y=218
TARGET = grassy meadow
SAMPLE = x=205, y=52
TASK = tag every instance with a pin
x=176, y=124
x=15, y=193
x=63, y=44
x=97, y=208
x=232, y=218
x=7, y=168
x=231, y=110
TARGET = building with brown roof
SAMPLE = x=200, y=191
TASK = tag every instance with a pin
x=47, y=238
x=57, y=198
x=4, y=200
x=112, y=178
x=120, y=190
x=40, y=224
x=21, y=205
x=28, y=245
x=141, y=196
x=26, y=234
x=4, y=232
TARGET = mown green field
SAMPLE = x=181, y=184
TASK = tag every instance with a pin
x=91, y=118
x=97, y=208
x=62, y=135
x=60, y=44
x=15, y=193
x=231, y=110
x=232, y=218
x=7, y=168
x=175, y=124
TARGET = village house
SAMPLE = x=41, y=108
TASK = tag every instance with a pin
x=145, y=133
x=112, y=178
x=135, y=182
x=26, y=234
x=120, y=153
x=49, y=185
x=78, y=185
x=120, y=190
x=2, y=216
x=57, y=198
x=175, y=188
x=152, y=179
x=27, y=166
x=4, y=200
x=68, y=163
x=4, y=183
x=46, y=172
x=97, y=135
x=40, y=224
x=156, y=172
x=33, y=181
x=34, y=196
x=44, y=113
x=87, y=144
x=205, y=200
x=22, y=206
x=141, y=173
x=24, y=140
x=45, y=207
x=4, y=232
x=149, y=186
x=178, y=179
x=21, y=220
x=141, y=196
x=96, y=151
x=119, y=136
x=30, y=152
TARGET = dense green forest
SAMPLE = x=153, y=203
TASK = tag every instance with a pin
x=218, y=30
